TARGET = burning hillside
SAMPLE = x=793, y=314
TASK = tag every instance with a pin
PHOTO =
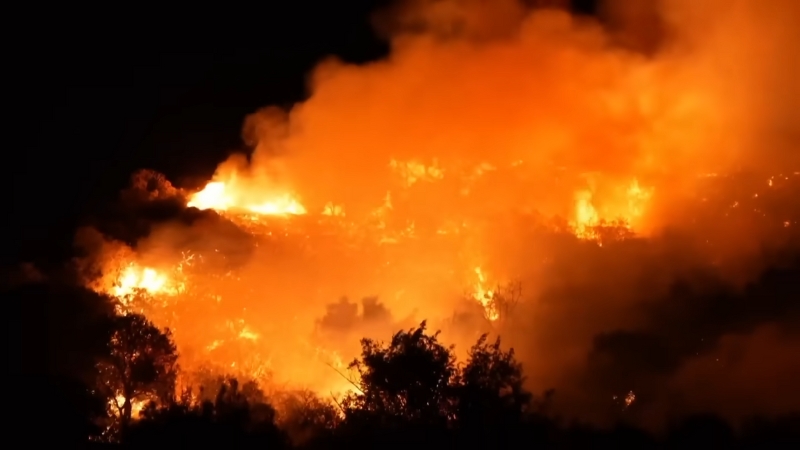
x=489, y=151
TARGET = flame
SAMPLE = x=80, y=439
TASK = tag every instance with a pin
x=134, y=277
x=637, y=199
x=218, y=196
x=212, y=196
x=333, y=210
x=626, y=212
x=236, y=346
x=586, y=216
x=137, y=405
x=485, y=296
x=414, y=171
x=217, y=328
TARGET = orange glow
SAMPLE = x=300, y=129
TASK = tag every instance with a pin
x=218, y=196
x=137, y=405
x=585, y=215
x=134, y=277
x=626, y=210
x=493, y=143
x=485, y=296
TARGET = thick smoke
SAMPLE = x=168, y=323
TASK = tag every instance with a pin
x=664, y=92
x=496, y=82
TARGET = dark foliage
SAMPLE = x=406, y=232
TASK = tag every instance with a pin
x=306, y=417
x=410, y=390
x=410, y=381
x=232, y=420
x=140, y=364
x=491, y=403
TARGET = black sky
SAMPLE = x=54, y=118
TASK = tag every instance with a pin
x=105, y=92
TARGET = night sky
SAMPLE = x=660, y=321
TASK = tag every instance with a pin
x=108, y=92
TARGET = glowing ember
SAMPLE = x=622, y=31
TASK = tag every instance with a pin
x=629, y=399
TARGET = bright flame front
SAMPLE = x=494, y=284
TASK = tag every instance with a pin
x=218, y=195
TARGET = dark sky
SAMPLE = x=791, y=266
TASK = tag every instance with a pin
x=103, y=92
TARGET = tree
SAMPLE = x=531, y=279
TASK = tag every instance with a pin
x=408, y=381
x=305, y=416
x=55, y=340
x=238, y=417
x=413, y=390
x=490, y=392
x=140, y=365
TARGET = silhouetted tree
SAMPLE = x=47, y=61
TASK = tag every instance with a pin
x=306, y=416
x=489, y=387
x=140, y=365
x=408, y=381
x=242, y=406
x=231, y=420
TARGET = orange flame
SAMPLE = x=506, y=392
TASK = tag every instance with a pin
x=485, y=296
x=134, y=277
x=218, y=196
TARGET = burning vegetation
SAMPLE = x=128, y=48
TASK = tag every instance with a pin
x=513, y=171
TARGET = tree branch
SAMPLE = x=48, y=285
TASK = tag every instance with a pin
x=345, y=377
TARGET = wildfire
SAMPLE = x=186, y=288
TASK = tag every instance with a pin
x=220, y=322
x=625, y=212
x=586, y=217
x=218, y=196
x=414, y=171
x=340, y=380
x=137, y=405
x=468, y=152
x=637, y=198
x=485, y=296
x=133, y=278
x=333, y=210
x=233, y=346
